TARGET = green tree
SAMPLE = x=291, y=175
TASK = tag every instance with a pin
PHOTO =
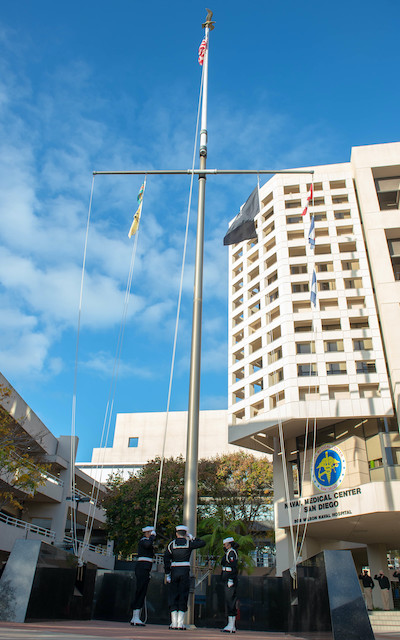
x=241, y=489
x=213, y=532
x=130, y=504
x=22, y=469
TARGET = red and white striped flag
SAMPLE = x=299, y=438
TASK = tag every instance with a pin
x=202, y=50
x=309, y=198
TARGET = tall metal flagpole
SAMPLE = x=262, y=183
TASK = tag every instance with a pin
x=192, y=444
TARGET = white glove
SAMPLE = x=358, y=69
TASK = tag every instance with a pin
x=168, y=578
x=189, y=536
x=153, y=533
x=230, y=583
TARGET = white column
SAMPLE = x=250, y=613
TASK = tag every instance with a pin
x=284, y=552
x=377, y=560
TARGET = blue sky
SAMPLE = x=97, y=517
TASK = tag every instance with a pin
x=97, y=85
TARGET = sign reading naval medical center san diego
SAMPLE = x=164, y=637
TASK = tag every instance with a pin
x=328, y=468
x=327, y=472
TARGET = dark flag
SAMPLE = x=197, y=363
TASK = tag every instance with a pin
x=243, y=226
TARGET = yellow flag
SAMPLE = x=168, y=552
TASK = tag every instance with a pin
x=135, y=223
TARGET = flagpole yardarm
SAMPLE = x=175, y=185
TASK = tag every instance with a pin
x=165, y=172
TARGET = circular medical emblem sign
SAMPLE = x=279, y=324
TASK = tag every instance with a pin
x=329, y=468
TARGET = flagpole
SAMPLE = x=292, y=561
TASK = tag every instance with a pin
x=192, y=443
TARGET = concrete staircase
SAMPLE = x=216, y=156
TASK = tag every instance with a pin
x=385, y=621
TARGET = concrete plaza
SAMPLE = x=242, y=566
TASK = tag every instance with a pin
x=98, y=630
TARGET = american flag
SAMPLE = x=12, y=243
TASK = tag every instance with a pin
x=202, y=50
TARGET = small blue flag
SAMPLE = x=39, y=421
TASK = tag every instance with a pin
x=311, y=234
x=313, y=294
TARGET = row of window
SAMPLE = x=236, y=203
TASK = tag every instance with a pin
x=320, y=216
x=297, y=287
x=304, y=370
x=264, y=232
x=336, y=368
x=330, y=346
x=349, y=246
x=302, y=306
x=307, y=394
x=295, y=269
x=330, y=324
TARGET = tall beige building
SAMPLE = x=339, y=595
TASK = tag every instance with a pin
x=332, y=370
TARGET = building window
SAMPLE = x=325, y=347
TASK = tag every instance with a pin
x=276, y=400
x=275, y=355
x=292, y=204
x=332, y=324
x=364, y=344
x=309, y=369
x=255, y=346
x=256, y=365
x=340, y=199
x=369, y=391
x=350, y=265
x=305, y=347
x=274, y=295
x=275, y=377
x=326, y=285
x=295, y=269
x=322, y=249
x=342, y=215
x=394, y=250
x=324, y=266
x=353, y=283
x=339, y=393
x=327, y=304
x=335, y=368
x=359, y=323
x=333, y=346
x=388, y=191
x=133, y=442
x=337, y=184
x=308, y=393
x=365, y=366
x=256, y=386
x=292, y=188
x=344, y=231
x=294, y=219
x=302, y=327
x=300, y=287
x=301, y=307
x=273, y=335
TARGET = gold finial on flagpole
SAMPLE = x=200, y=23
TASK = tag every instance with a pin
x=209, y=23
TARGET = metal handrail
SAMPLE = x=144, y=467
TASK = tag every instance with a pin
x=27, y=526
x=92, y=547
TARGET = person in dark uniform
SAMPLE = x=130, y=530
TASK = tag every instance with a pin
x=143, y=567
x=177, y=570
x=396, y=574
x=385, y=589
x=368, y=585
x=229, y=575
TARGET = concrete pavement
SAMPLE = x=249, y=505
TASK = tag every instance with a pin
x=98, y=630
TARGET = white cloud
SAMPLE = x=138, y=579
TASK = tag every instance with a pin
x=105, y=364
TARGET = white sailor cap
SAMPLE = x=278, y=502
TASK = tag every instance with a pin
x=230, y=539
x=145, y=529
x=181, y=527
